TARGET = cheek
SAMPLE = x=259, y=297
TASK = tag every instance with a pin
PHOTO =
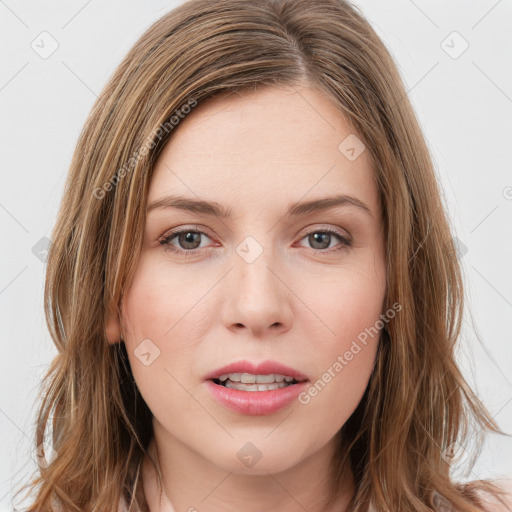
x=343, y=304
x=159, y=301
x=349, y=307
x=166, y=315
x=154, y=314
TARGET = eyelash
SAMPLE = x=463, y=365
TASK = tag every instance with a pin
x=166, y=241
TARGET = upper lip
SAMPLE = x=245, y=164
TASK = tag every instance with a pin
x=263, y=368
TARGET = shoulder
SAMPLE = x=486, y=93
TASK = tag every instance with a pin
x=491, y=503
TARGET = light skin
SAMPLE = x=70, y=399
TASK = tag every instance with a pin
x=302, y=301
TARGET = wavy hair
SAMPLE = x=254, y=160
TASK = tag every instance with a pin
x=417, y=405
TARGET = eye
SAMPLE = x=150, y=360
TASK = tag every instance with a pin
x=321, y=239
x=187, y=240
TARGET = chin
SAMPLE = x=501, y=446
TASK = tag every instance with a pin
x=257, y=458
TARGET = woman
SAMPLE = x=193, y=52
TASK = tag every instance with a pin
x=252, y=284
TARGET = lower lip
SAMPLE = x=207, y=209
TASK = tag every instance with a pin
x=256, y=403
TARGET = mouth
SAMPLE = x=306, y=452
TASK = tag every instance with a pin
x=256, y=389
x=255, y=394
x=247, y=376
x=250, y=382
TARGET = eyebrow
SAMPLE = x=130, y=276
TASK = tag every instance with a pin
x=215, y=209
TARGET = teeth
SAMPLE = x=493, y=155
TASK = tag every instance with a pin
x=248, y=378
x=256, y=387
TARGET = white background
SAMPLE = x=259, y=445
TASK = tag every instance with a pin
x=464, y=105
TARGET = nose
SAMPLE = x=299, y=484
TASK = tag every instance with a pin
x=257, y=296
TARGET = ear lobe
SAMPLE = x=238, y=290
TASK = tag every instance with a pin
x=113, y=329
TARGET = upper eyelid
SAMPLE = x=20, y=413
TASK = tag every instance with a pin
x=195, y=228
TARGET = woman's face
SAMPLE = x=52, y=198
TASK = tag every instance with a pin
x=265, y=283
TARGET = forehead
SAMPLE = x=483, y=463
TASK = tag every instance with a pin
x=278, y=143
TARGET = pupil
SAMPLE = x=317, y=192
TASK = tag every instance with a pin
x=186, y=237
x=316, y=236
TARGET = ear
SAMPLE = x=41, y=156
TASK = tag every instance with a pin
x=113, y=328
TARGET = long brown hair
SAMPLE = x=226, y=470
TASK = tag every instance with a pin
x=417, y=404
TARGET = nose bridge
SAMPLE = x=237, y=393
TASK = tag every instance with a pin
x=257, y=297
x=253, y=262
